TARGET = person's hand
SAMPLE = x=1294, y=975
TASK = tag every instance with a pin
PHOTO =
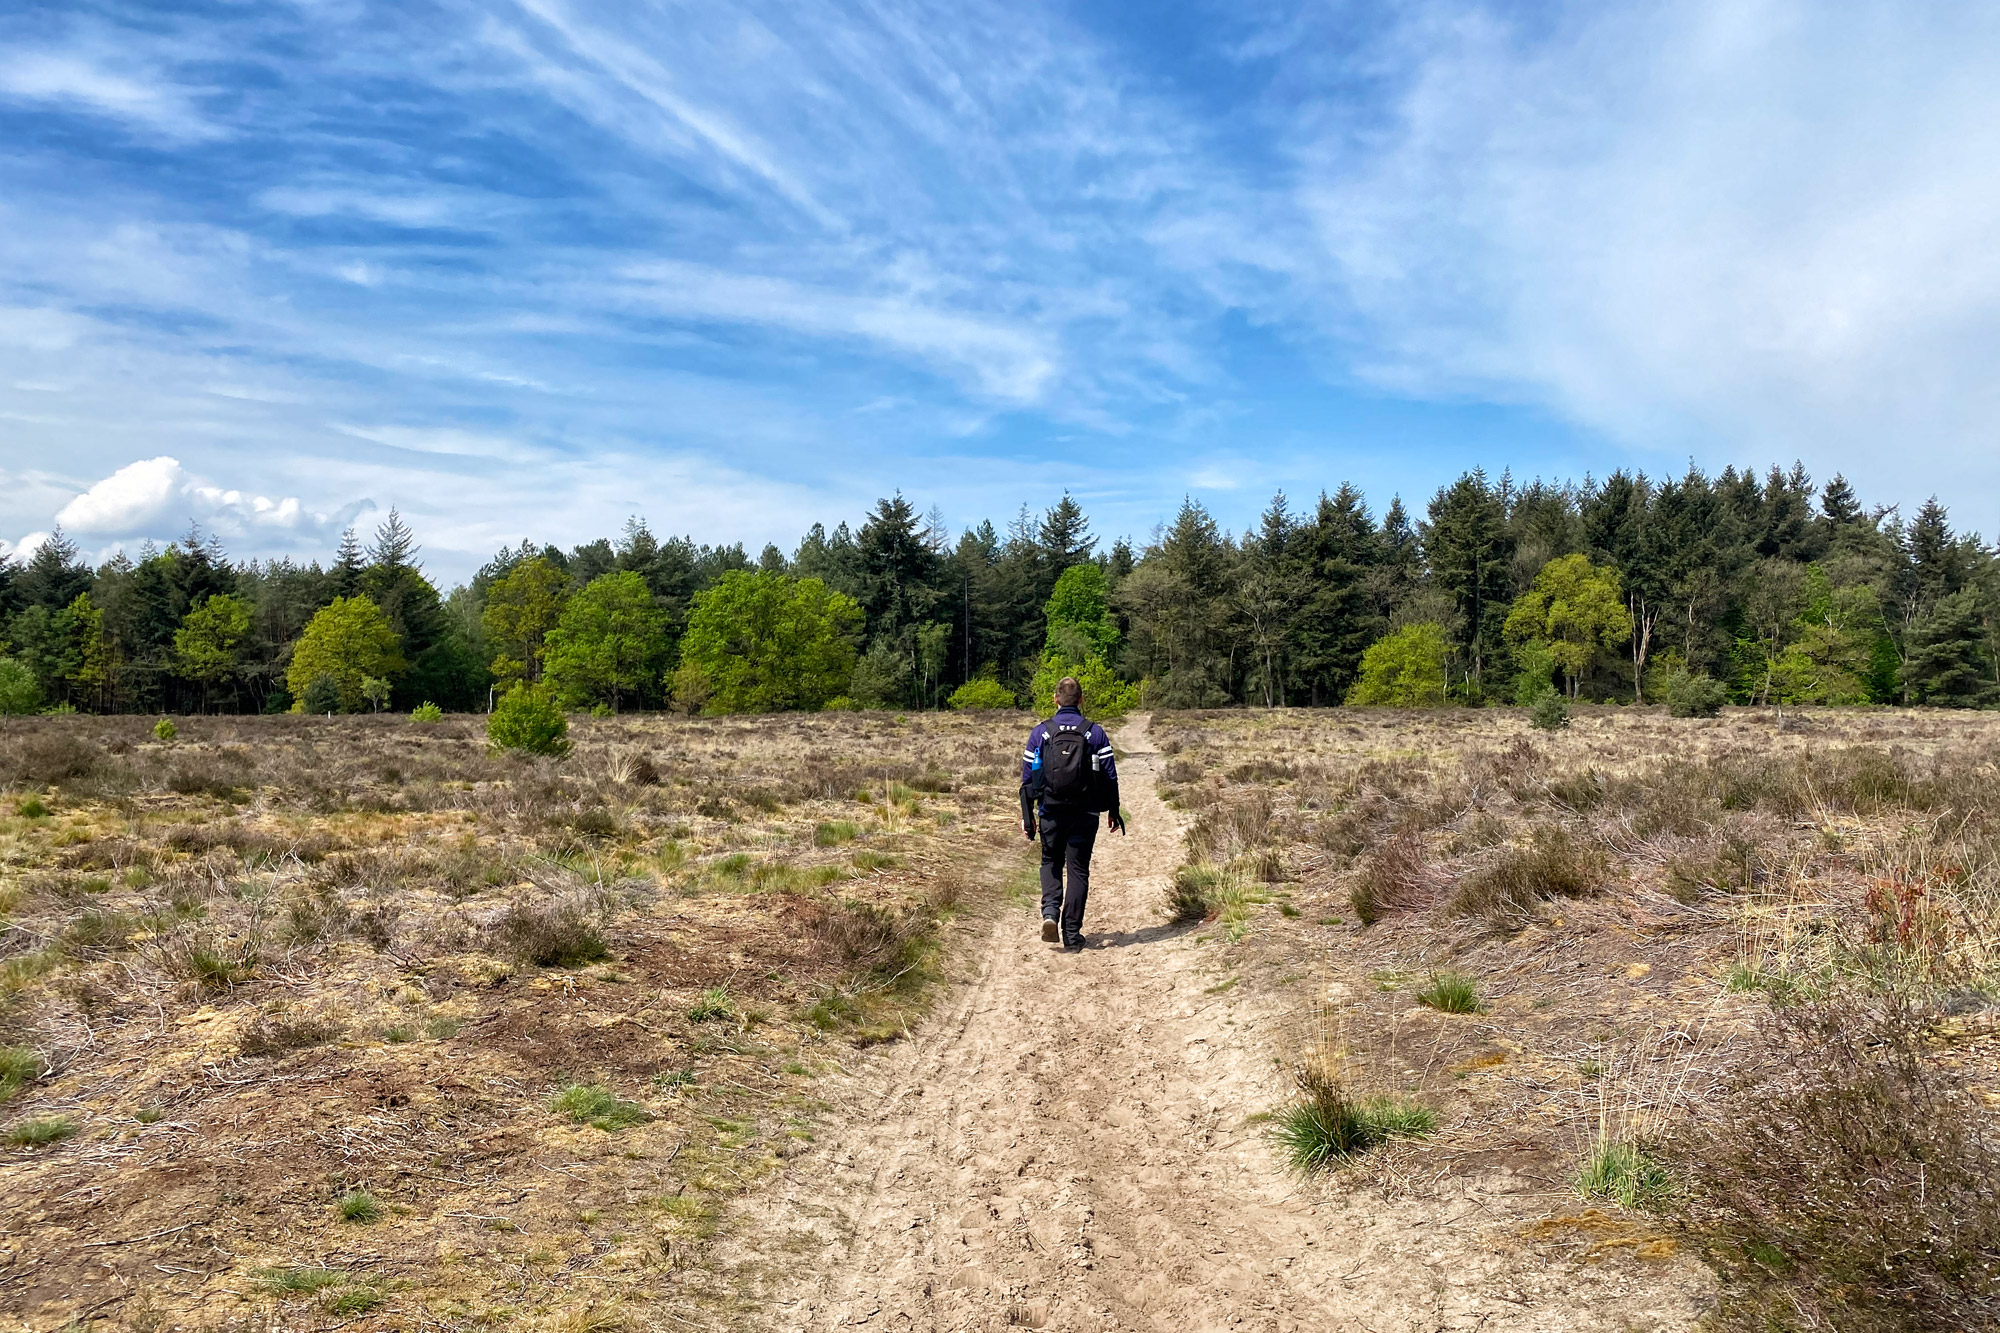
x=1028, y=832
x=1117, y=823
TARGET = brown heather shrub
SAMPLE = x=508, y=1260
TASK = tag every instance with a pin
x=561, y=931
x=268, y=1037
x=1854, y=1183
x=888, y=943
x=1231, y=827
x=1390, y=876
x=314, y=912
x=1552, y=865
x=50, y=755
x=1180, y=772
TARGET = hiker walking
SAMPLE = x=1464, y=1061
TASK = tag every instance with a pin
x=1067, y=777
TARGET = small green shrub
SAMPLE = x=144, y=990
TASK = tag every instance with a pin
x=1624, y=1173
x=268, y=1037
x=42, y=1131
x=32, y=808
x=1692, y=694
x=1450, y=993
x=322, y=696
x=557, y=933
x=981, y=694
x=840, y=703
x=1552, y=865
x=595, y=1105
x=19, y=1067
x=1549, y=713
x=165, y=730
x=529, y=721
x=358, y=1206
x=427, y=712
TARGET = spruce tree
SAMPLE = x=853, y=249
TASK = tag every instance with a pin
x=1469, y=553
x=54, y=574
x=1947, y=661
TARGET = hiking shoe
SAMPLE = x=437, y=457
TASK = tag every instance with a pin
x=1050, y=930
x=1073, y=945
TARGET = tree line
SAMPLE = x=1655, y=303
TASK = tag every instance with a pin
x=1758, y=590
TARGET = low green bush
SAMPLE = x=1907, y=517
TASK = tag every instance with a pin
x=1692, y=694
x=427, y=712
x=981, y=694
x=528, y=721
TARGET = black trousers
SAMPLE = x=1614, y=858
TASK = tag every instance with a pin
x=1067, y=838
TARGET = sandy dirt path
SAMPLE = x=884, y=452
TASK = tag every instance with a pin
x=1065, y=1146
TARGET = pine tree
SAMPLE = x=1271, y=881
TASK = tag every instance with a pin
x=1339, y=555
x=395, y=545
x=1948, y=662
x=344, y=579
x=1838, y=506
x=1470, y=554
x=54, y=574
x=1064, y=539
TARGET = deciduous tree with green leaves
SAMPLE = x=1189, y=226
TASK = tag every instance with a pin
x=1406, y=669
x=765, y=643
x=1574, y=608
x=348, y=641
x=208, y=646
x=609, y=643
x=522, y=606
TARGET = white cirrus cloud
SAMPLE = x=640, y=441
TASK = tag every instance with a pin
x=1752, y=223
x=1004, y=359
x=79, y=79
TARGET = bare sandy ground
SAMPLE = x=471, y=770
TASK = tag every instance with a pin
x=1069, y=1144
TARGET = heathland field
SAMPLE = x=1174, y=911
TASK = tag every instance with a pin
x=1390, y=1020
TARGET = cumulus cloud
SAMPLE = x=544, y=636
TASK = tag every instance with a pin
x=155, y=495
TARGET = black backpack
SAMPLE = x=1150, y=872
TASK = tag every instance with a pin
x=1069, y=778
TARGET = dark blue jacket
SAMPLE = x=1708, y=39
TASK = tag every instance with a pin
x=1031, y=761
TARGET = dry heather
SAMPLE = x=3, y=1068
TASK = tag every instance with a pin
x=1726, y=984
x=352, y=1023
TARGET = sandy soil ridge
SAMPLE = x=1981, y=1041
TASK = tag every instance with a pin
x=1068, y=1146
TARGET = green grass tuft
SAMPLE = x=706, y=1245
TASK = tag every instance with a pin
x=355, y=1300
x=595, y=1105
x=1624, y=1173
x=42, y=1131
x=299, y=1281
x=1327, y=1125
x=834, y=832
x=714, y=1004
x=19, y=1067
x=1450, y=993
x=359, y=1206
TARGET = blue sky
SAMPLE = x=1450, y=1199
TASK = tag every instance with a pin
x=524, y=268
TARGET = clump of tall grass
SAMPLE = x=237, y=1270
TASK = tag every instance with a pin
x=1450, y=993
x=1327, y=1124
